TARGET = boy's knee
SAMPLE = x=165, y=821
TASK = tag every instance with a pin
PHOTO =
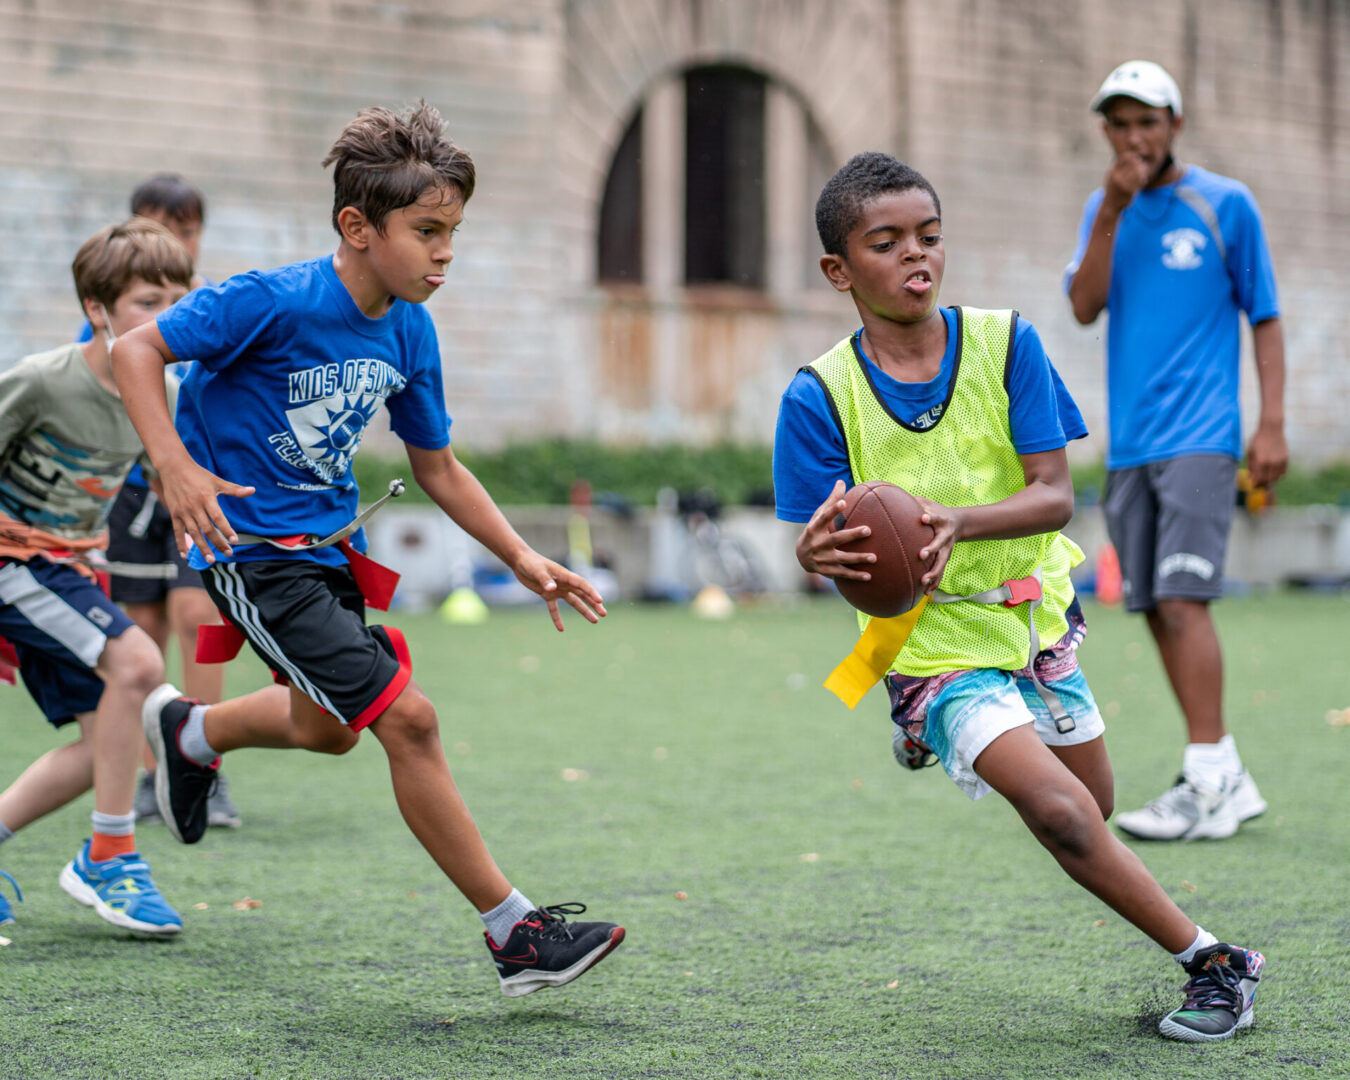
x=133, y=661
x=412, y=717
x=1061, y=821
x=1175, y=617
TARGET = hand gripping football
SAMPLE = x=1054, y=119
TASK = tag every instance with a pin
x=898, y=535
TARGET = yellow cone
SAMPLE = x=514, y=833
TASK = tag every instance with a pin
x=712, y=602
x=464, y=607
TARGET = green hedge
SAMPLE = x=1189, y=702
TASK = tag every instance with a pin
x=1326, y=485
x=542, y=473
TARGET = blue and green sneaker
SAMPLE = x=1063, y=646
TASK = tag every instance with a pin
x=121, y=891
x=6, y=912
x=1218, y=996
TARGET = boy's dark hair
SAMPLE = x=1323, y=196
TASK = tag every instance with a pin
x=140, y=248
x=169, y=194
x=864, y=178
x=384, y=161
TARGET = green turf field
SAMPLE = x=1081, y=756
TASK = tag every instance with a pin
x=796, y=905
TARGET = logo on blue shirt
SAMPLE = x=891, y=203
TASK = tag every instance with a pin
x=1183, y=249
x=334, y=405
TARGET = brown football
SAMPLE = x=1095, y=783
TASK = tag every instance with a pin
x=898, y=535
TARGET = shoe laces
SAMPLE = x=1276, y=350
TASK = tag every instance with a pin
x=1216, y=985
x=551, y=921
x=13, y=884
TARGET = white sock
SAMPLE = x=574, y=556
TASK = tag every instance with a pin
x=114, y=824
x=1203, y=940
x=192, y=738
x=504, y=916
x=1209, y=763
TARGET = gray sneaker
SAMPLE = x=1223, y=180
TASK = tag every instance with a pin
x=145, y=808
x=220, y=809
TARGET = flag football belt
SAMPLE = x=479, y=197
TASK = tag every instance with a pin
x=883, y=639
x=1012, y=594
x=145, y=571
x=217, y=643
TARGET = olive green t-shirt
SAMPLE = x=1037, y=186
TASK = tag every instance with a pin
x=66, y=444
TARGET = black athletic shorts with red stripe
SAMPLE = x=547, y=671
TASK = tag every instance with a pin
x=307, y=621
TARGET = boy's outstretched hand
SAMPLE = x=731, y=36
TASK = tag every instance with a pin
x=555, y=582
x=190, y=494
x=818, y=545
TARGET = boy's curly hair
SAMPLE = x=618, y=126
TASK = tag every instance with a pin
x=862, y=179
x=384, y=161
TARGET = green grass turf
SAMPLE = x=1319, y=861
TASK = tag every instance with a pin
x=924, y=937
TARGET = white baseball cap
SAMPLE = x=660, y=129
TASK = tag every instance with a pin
x=1144, y=81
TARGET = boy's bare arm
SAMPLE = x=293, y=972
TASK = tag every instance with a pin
x=1044, y=505
x=188, y=491
x=459, y=493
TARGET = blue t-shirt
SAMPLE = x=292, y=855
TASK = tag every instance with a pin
x=809, y=451
x=1178, y=283
x=287, y=373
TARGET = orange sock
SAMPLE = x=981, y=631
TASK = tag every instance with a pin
x=104, y=847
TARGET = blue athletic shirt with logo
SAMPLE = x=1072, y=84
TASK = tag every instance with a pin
x=287, y=372
x=1178, y=283
x=809, y=452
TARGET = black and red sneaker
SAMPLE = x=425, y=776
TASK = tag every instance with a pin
x=544, y=949
x=182, y=787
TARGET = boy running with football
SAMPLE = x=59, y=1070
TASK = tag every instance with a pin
x=962, y=408
x=290, y=365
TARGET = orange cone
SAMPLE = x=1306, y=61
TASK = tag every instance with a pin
x=1108, y=575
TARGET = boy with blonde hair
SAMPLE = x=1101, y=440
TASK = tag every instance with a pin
x=66, y=447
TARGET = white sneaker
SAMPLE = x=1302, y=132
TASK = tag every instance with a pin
x=1195, y=811
x=1247, y=800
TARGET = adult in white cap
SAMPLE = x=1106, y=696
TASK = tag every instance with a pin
x=1177, y=254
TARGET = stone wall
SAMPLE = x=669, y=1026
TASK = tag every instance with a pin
x=988, y=97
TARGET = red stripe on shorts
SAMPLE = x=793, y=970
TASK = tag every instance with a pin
x=396, y=685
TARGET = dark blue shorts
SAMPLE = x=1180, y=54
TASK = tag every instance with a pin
x=140, y=533
x=59, y=623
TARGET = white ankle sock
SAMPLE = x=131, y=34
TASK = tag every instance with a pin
x=1203, y=940
x=504, y=916
x=192, y=738
x=1209, y=763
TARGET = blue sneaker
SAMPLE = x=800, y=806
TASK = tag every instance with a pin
x=121, y=891
x=6, y=912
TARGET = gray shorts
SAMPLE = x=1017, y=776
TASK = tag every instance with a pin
x=1169, y=523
